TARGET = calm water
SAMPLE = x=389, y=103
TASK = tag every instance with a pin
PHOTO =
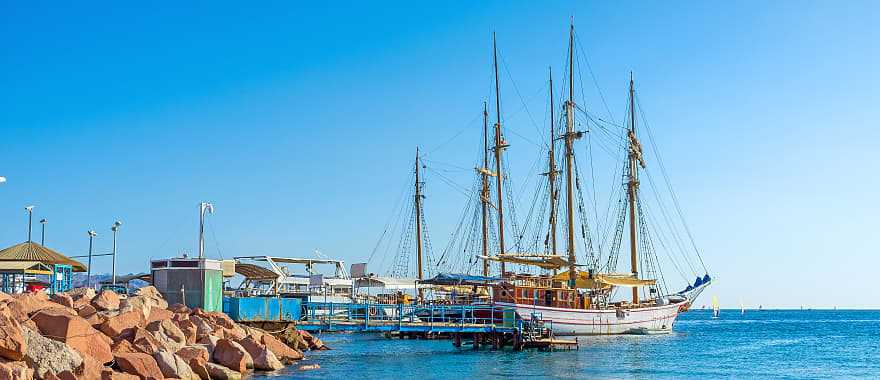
x=767, y=344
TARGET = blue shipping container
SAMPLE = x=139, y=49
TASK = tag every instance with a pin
x=262, y=308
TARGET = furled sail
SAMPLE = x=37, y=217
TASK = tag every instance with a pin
x=623, y=280
x=541, y=261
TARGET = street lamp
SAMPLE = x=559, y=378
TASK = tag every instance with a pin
x=92, y=235
x=30, y=211
x=204, y=207
x=115, y=228
x=43, y=236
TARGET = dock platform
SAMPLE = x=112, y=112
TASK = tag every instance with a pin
x=477, y=325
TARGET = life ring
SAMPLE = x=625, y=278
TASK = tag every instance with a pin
x=372, y=311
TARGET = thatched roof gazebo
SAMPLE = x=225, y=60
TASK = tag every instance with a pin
x=30, y=251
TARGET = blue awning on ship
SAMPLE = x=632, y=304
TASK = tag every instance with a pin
x=460, y=279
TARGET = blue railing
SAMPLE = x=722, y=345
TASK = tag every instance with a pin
x=369, y=316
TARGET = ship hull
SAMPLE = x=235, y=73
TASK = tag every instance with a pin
x=567, y=322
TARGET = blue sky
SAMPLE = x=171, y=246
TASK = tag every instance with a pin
x=300, y=124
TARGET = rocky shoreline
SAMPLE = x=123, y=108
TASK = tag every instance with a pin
x=83, y=335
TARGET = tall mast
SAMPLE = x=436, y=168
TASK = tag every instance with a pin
x=551, y=173
x=484, y=192
x=499, y=146
x=570, y=135
x=418, y=205
x=633, y=185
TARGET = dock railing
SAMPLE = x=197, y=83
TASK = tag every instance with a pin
x=412, y=317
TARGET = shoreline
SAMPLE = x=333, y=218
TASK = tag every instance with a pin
x=81, y=334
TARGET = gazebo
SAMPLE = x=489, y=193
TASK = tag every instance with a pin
x=23, y=256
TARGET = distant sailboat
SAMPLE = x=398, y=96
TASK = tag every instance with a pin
x=742, y=308
x=715, y=309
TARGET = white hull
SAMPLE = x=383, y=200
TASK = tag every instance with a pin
x=649, y=320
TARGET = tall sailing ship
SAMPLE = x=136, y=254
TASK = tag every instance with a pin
x=578, y=298
x=549, y=282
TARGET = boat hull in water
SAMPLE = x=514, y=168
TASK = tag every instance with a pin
x=567, y=322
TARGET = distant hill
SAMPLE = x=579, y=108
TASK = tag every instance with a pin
x=79, y=280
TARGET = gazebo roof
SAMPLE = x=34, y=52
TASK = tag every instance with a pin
x=30, y=251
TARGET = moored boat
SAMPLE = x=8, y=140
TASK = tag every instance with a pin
x=572, y=297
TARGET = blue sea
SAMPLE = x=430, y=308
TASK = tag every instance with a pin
x=790, y=344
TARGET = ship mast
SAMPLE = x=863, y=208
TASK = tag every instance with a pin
x=551, y=173
x=570, y=135
x=418, y=206
x=484, y=192
x=635, y=158
x=499, y=146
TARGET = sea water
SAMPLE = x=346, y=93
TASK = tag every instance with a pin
x=758, y=344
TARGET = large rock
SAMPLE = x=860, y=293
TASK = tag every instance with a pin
x=216, y=318
x=196, y=351
x=179, y=308
x=81, y=295
x=282, y=351
x=140, y=365
x=144, y=341
x=232, y=355
x=15, y=371
x=63, y=299
x=144, y=300
x=188, y=328
x=252, y=346
x=122, y=346
x=116, y=325
x=106, y=300
x=109, y=374
x=174, y=366
x=76, y=332
x=86, y=311
x=168, y=333
x=203, y=328
x=90, y=369
x=219, y=372
x=157, y=314
x=12, y=342
x=149, y=291
x=45, y=355
x=265, y=360
x=25, y=304
x=209, y=341
x=294, y=338
x=199, y=366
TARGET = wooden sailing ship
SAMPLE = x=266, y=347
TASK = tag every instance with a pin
x=576, y=299
x=571, y=296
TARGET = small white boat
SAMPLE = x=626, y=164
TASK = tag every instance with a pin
x=716, y=311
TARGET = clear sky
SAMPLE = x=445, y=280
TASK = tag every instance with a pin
x=300, y=124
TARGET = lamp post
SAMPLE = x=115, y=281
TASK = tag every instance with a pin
x=115, y=228
x=92, y=235
x=30, y=211
x=204, y=207
x=43, y=235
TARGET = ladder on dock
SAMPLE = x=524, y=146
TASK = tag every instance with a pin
x=535, y=333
